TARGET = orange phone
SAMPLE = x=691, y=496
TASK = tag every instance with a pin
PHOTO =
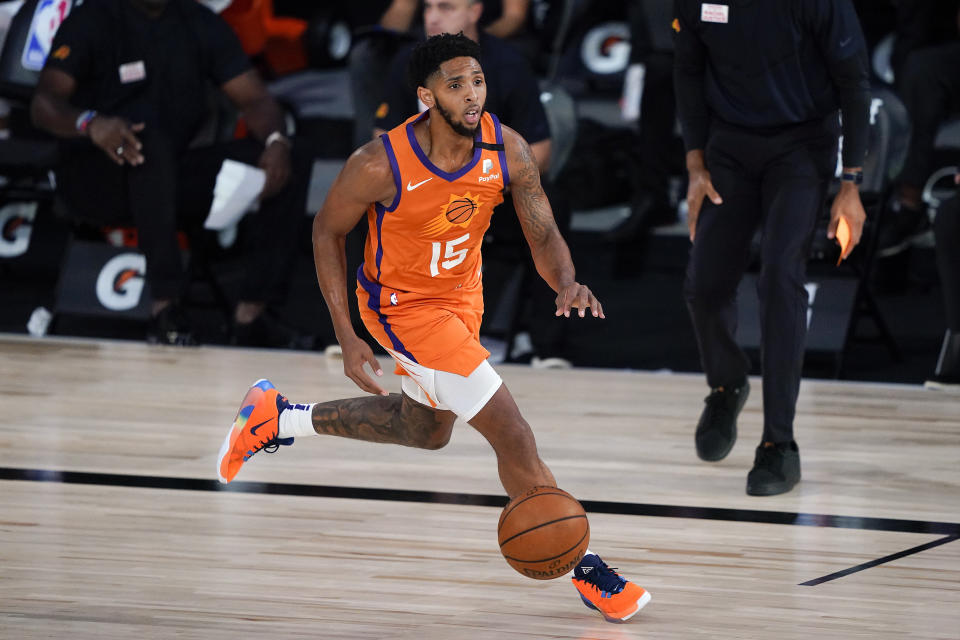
x=843, y=237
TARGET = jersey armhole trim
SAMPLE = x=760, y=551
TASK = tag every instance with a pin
x=502, y=153
x=395, y=168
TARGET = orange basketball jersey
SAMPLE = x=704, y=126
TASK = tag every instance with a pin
x=422, y=257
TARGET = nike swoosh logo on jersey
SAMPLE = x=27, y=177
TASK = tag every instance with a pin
x=411, y=187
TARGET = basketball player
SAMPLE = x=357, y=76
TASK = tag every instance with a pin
x=428, y=188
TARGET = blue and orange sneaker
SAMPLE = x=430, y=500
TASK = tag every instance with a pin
x=602, y=589
x=255, y=428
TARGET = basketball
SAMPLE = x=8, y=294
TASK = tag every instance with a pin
x=543, y=533
x=460, y=210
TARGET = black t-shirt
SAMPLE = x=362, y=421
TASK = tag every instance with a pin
x=152, y=70
x=512, y=91
x=765, y=64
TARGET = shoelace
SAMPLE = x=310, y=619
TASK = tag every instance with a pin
x=767, y=457
x=605, y=578
x=271, y=445
x=716, y=404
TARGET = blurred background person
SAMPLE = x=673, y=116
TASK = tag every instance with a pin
x=926, y=63
x=126, y=89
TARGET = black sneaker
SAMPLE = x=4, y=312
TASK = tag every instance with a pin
x=171, y=326
x=717, y=429
x=775, y=470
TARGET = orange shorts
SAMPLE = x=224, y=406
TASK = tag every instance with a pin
x=441, y=334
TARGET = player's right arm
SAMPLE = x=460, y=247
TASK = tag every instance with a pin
x=366, y=178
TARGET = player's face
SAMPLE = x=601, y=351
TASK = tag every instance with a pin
x=450, y=16
x=460, y=91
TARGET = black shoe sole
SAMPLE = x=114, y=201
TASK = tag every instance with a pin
x=722, y=454
x=774, y=489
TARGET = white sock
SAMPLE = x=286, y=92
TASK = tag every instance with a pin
x=296, y=420
x=585, y=554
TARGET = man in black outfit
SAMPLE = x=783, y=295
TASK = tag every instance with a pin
x=126, y=88
x=758, y=88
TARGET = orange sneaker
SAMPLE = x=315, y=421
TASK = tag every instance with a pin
x=601, y=588
x=254, y=428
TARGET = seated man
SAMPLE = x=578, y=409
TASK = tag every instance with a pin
x=371, y=55
x=927, y=57
x=125, y=88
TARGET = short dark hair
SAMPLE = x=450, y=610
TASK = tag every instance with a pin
x=426, y=58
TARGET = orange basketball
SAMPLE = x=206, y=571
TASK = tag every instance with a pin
x=460, y=210
x=543, y=533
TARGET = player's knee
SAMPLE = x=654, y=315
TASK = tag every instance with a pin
x=517, y=438
x=437, y=440
x=437, y=436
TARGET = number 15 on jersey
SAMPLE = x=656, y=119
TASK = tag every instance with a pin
x=452, y=256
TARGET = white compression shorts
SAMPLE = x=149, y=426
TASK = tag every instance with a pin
x=465, y=396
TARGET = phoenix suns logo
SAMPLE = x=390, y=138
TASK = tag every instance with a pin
x=457, y=212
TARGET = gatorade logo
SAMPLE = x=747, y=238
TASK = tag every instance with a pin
x=121, y=281
x=605, y=48
x=16, y=225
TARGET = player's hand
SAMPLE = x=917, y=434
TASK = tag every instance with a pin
x=700, y=187
x=357, y=353
x=847, y=205
x=117, y=138
x=275, y=161
x=578, y=296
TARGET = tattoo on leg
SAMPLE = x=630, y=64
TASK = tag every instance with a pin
x=390, y=419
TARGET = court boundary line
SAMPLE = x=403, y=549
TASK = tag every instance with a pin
x=878, y=561
x=472, y=499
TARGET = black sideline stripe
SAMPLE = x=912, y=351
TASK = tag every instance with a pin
x=873, y=563
x=443, y=497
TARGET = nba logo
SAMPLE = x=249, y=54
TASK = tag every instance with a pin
x=487, y=165
x=48, y=17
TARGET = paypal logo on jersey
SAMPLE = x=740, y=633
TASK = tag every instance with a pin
x=488, y=178
x=487, y=165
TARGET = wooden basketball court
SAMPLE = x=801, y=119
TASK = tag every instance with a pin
x=112, y=523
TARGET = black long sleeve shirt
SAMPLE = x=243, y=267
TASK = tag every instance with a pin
x=767, y=64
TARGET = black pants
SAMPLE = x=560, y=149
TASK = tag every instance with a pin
x=946, y=229
x=172, y=191
x=929, y=85
x=775, y=182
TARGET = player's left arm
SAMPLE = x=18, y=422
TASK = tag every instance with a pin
x=549, y=250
